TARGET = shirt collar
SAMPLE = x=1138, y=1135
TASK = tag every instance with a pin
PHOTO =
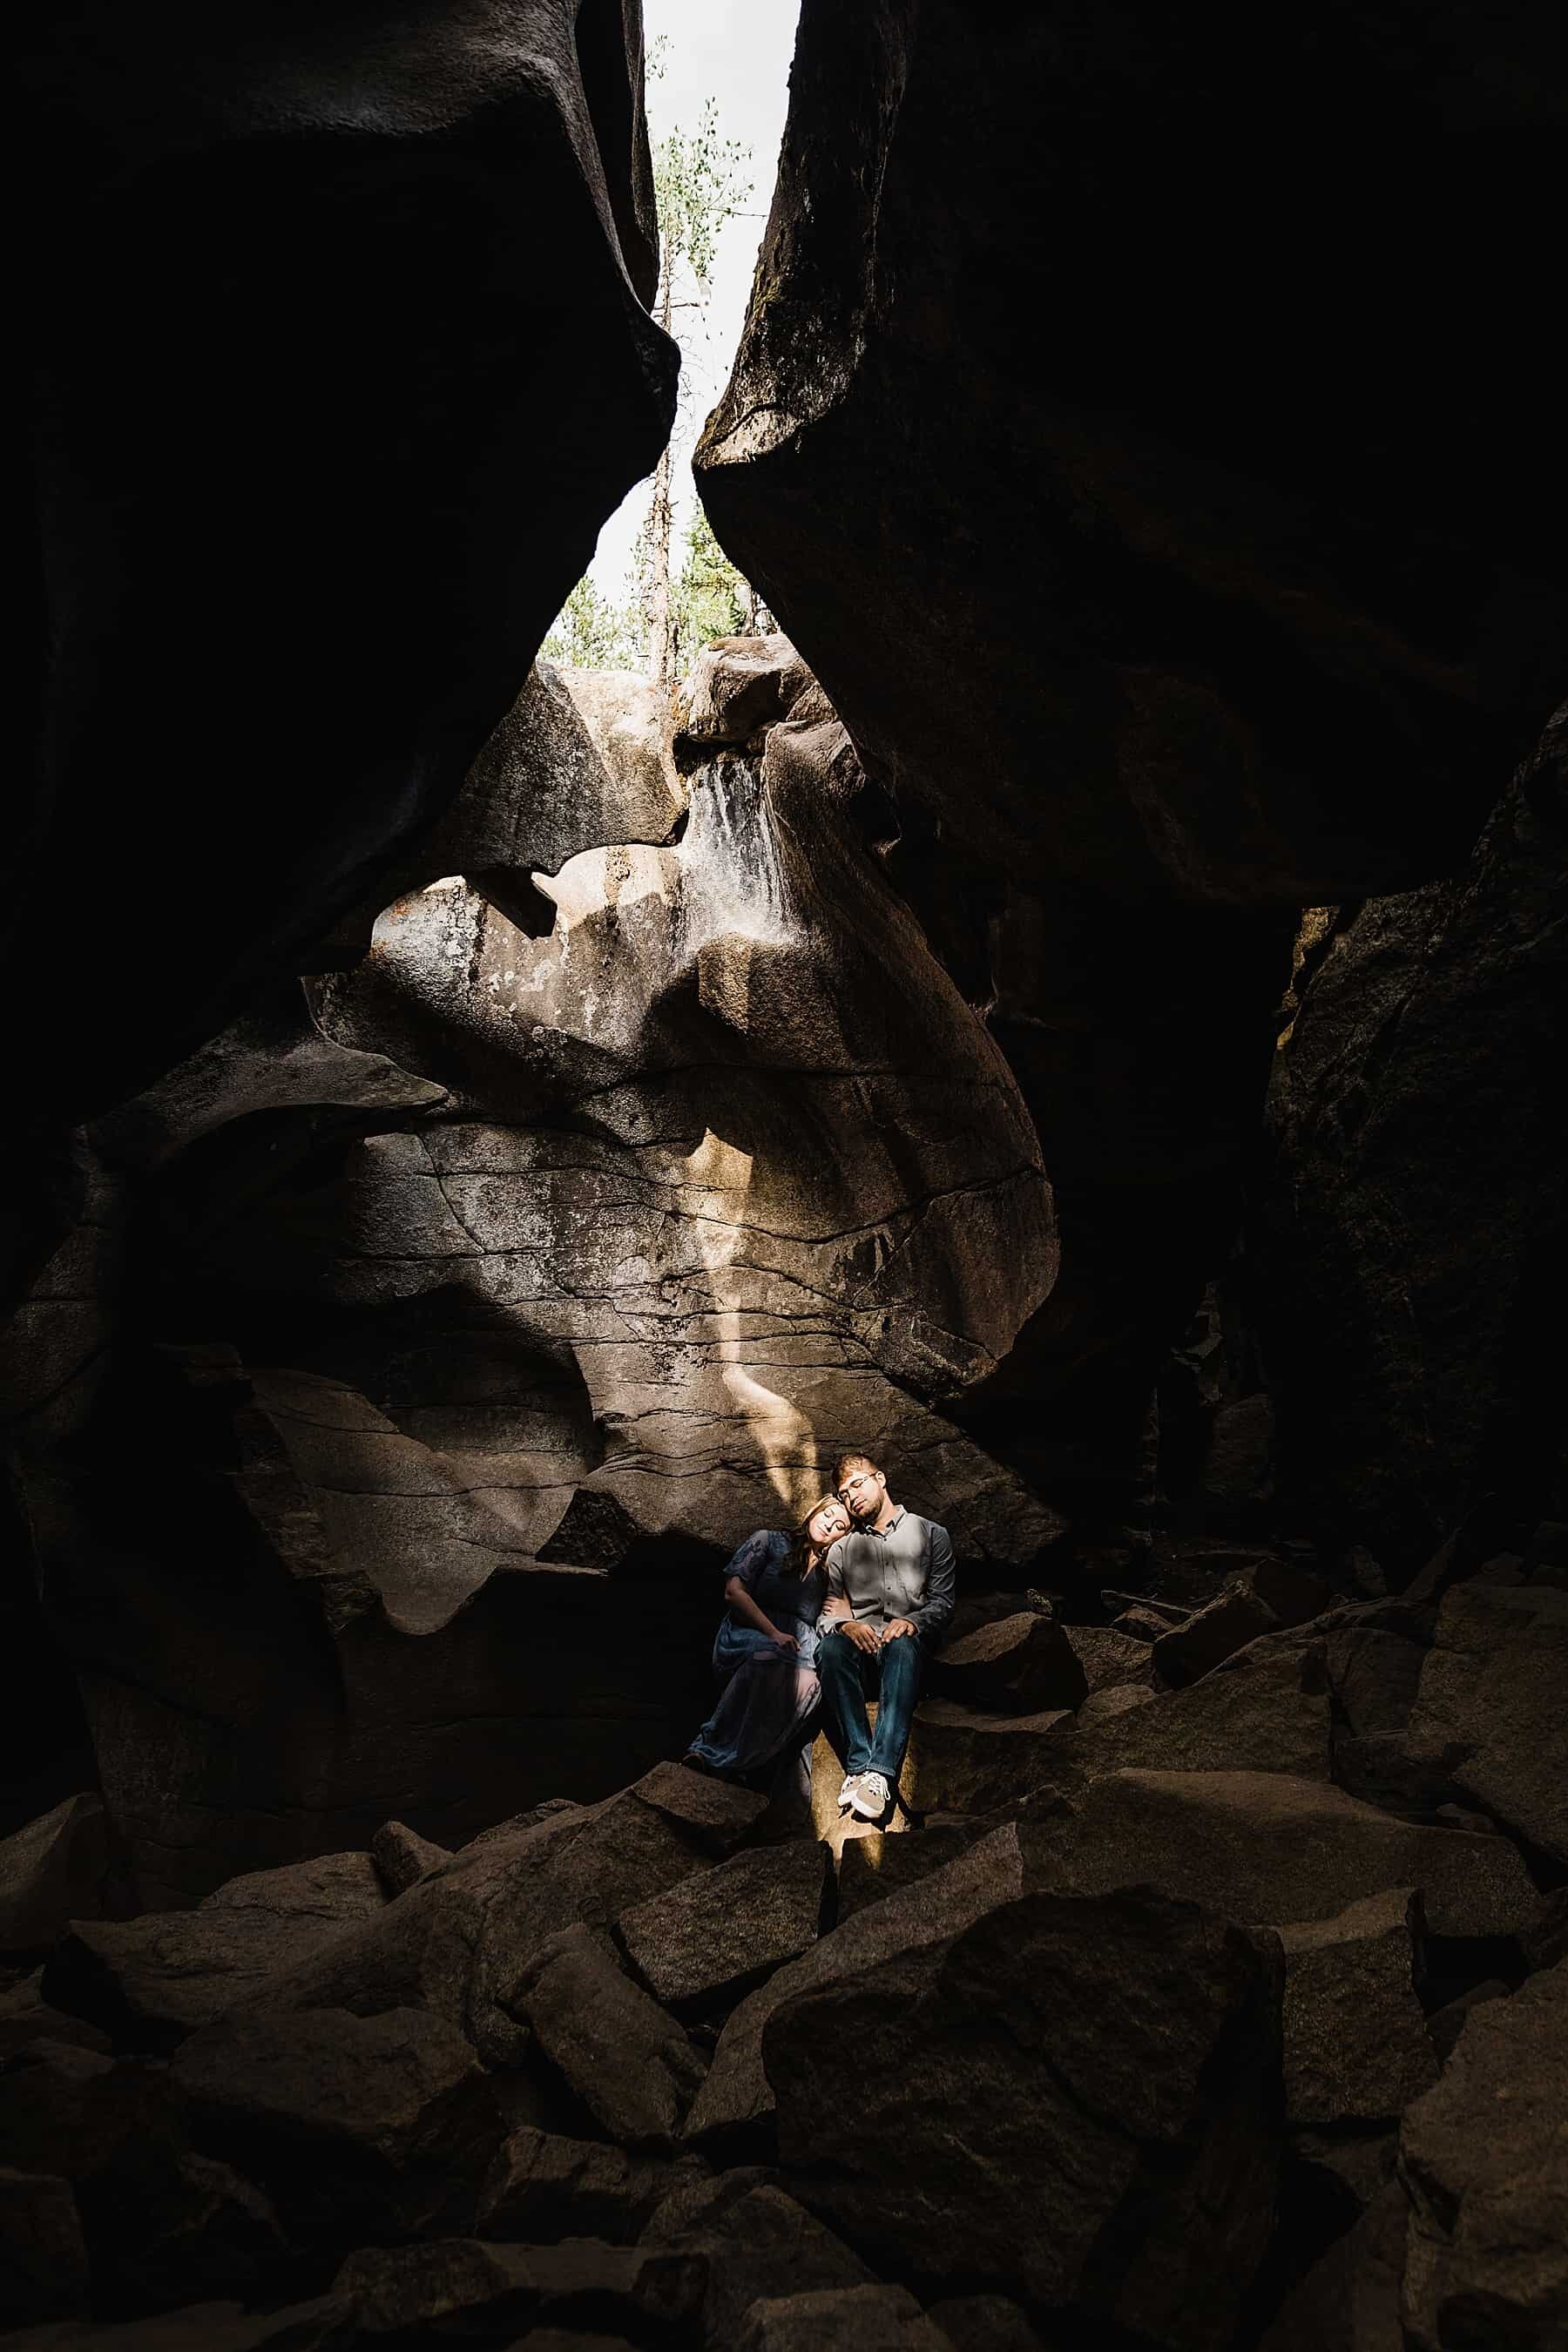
x=884, y=1532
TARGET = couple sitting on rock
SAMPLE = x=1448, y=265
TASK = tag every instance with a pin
x=843, y=1611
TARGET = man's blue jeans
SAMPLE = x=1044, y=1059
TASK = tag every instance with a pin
x=850, y=1676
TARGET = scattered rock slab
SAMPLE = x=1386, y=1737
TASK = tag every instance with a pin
x=1544, y=1941
x=1083, y=2062
x=25, y=2017
x=43, y=2255
x=758, y=2243
x=616, y=2052
x=1350, y=2298
x=403, y=1858
x=702, y=1944
x=361, y=2128
x=841, y=2319
x=1271, y=1848
x=460, y=1942
x=1491, y=1698
x=190, y=2225
x=1266, y=1709
x=150, y=1981
x=1224, y=1625
x=1356, y=2045
x=871, y=1868
x=1263, y=1599
x=317, y=2326
x=969, y=1761
x=714, y=1814
x=1020, y=1664
x=544, y=2185
x=736, y=2100
x=461, y=2285
x=1109, y=1657
x=52, y=1871
x=984, y=2323
x=1484, y=2161
x=160, y=2220
x=1119, y=1698
x=1446, y=2024
x=1143, y=1623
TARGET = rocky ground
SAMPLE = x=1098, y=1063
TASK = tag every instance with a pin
x=1219, y=1998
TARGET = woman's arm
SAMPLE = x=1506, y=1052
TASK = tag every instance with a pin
x=736, y=1594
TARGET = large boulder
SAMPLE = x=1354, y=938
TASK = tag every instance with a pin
x=1259, y=1600
x=412, y=2295
x=544, y=2185
x=621, y=2058
x=1484, y=2161
x=151, y=1982
x=736, y=2102
x=160, y=2220
x=363, y=2129
x=707, y=1941
x=1077, y=2100
x=757, y=2244
x=349, y=480
x=43, y=2259
x=964, y=1759
x=842, y=2319
x=1357, y=2049
x=52, y=1871
x=1267, y=1709
x=1272, y=1848
x=462, y=1941
x=1020, y=1664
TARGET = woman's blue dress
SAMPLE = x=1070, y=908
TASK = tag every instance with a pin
x=769, y=1702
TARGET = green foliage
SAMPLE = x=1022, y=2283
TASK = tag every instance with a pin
x=590, y=632
x=663, y=621
x=699, y=183
x=709, y=596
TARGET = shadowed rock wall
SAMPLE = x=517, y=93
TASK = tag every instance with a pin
x=341, y=360
x=1412, y=1226
x=1086, y=435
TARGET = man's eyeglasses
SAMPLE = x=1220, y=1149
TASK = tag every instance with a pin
x=853, y=1486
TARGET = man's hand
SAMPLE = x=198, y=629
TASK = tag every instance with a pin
x=899, y=1625
x=865, y=1637
x=785, y=1640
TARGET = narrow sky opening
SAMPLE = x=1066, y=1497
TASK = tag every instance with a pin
x=738, y=53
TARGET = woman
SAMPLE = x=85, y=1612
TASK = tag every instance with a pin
x=766, y=1654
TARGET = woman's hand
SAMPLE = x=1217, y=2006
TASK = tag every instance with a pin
x=784, y=1641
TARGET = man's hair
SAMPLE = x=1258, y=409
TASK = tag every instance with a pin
x=848, y=1462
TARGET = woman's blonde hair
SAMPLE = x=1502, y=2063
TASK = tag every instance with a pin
x=801, y=1549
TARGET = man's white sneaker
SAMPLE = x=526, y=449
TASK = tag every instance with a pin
x=869, y=1795
x=844, y=1788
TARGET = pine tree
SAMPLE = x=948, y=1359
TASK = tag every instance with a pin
x=698, y=181
x=710, y=597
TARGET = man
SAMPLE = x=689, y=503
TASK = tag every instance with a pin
x=889, y=1593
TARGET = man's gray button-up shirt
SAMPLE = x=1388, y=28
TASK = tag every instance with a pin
x=905, y=1572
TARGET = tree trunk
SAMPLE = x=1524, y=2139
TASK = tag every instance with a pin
x=660, y=635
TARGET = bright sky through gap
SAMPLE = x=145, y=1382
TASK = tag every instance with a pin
x=737, y=52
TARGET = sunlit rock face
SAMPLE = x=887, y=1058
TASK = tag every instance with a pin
x=1087, y=430
x=726, y=1142
x=377, y=279
x=469, y=1313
